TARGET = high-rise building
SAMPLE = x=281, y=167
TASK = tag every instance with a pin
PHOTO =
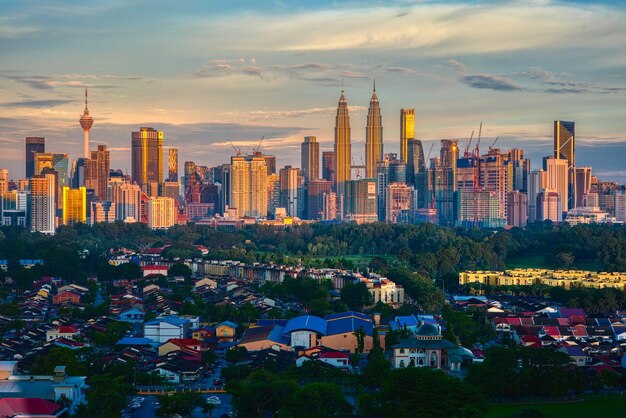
x=480, y=209
x=620, y=207
x=43, y=197
x=399, y=197
x=291, y=190
x=15, y=208
x=310, y=158
x=583, y=184
x=390, y=170
x=558, y=179
x=360, y=204
x=102, y=212
x=273, y=193
x=247, y=185
x=416, y=171
x=333, y=208
x=518, y=168
x=147, y=156
x=86, y=122
x=97, y=172
x=537, y=181
x=34, y=145
x=328, y=166
x=162, y=212
x=170, y=189
x=4, y=181
x=407, y=131
x=516, y=209
x=316, y=189
x=58, y=163
x=493, y=178
x=549, y=206
x=343, y=149
x=564, y=149
x=74, y=205
x=126, y=198
x=443, y=183
x=373, y=137
x=172, y=164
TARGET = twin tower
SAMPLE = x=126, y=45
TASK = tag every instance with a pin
x=373, y=141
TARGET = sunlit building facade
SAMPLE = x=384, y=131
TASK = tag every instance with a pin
x=147, y=156
x=407, y=131
x=43, y=197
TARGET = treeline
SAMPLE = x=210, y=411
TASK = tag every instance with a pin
x=430, y=251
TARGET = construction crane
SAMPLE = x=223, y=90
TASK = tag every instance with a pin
x=237, y=150
x=258, y=147
x=467, y=154
x=494, y=143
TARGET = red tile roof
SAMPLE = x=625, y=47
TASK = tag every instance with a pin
x=335, y=354
x=64, y=329
x=33, y=406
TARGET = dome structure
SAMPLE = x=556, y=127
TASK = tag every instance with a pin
x=428, y=332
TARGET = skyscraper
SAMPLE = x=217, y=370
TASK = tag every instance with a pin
x=58, y=163
x=147, y=156
x=291, y=190
x=43, y=193
x=316, y=189
x=247, y=185
x=34, y=145
x=328, y=166
x=86, y=122
x=558, y=180
x=564, y=149
x=583, y=184
x=74, y=205
x=4, y=181
x=361, y=200
x=373, y=137
x=407, y=131
x=416, y=171
x=97, y=172
x=172, y=164
x=343, y=150
x=161, y=212
x=399, y=197
x=127, y=200
x=310, y=158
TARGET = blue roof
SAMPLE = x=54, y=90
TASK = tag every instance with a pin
x=26, y=262
x=574, y=350
x=4, y=262
x=228, y=324
x=306, y=322
x=277, y=335
x=408, y=321
x=604, y=322
x=350, y=321
x=134, y=341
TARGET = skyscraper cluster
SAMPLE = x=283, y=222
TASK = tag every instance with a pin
x=472, y=187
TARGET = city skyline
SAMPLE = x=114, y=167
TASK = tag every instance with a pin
x=517, y=85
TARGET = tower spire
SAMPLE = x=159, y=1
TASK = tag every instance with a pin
x=86, y=99
x=374, y=84
x=342, y=84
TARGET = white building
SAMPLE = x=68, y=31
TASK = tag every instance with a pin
x=161, y=212
x=161, y=329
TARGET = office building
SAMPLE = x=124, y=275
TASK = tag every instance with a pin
x=316, y=190
x=518, y=168
x=97, y=172
x=57, y=163
x=34, y=145
x=373, y=137
x=416, y=171
x=273, y=193
x=537, y=181
x=310, y=158
x=4, y=181
x=390, y=170
x=291, y=190
x=583, y=184
x=399, y=198
x=564, y=149
x=74, y=205
x=15, y=208
x=43, y=203
x=86, y=122
x=162, y=212
x=343, y=149
x=247, y=186
x=407, y=131
x=557, y=178
x=549, y=206
x=620, y=207
x=333, y=207
x=147, y=156
x=126, y=198
x=493, y=176
x=102, y=212
x=170, y=189
x=481, y=209
x=516, y=209
x=360, y=204
x=172, y=165
x=328, y=166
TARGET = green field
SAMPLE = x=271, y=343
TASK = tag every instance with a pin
x=596, y=406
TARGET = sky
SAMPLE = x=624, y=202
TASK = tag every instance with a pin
x=204, y=71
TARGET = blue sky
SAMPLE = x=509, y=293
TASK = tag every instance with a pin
x=202, y=71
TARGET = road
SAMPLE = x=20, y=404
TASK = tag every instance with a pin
x=148, y=409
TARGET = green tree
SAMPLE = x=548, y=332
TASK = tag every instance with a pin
x=180, y=269
x=107, y=395
x=59, y=356
x=316, y=400
x=356, y=296
x=180, y=403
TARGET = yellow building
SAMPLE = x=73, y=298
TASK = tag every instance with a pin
x=567, y=279
x=74, y=205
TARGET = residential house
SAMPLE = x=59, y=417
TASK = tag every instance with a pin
x=132, y=315
x=262, y=337
x=31, y=408
x=180, y=344
x=66, y=296
x=164, y=328
x=62, y=331
x=225, y=331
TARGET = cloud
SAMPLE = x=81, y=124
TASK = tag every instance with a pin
x=484, y=81
x=490, y=82
x=37, y=104
x=299, y=113
x=558, y=86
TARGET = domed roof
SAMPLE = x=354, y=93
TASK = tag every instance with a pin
x=428, y=330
